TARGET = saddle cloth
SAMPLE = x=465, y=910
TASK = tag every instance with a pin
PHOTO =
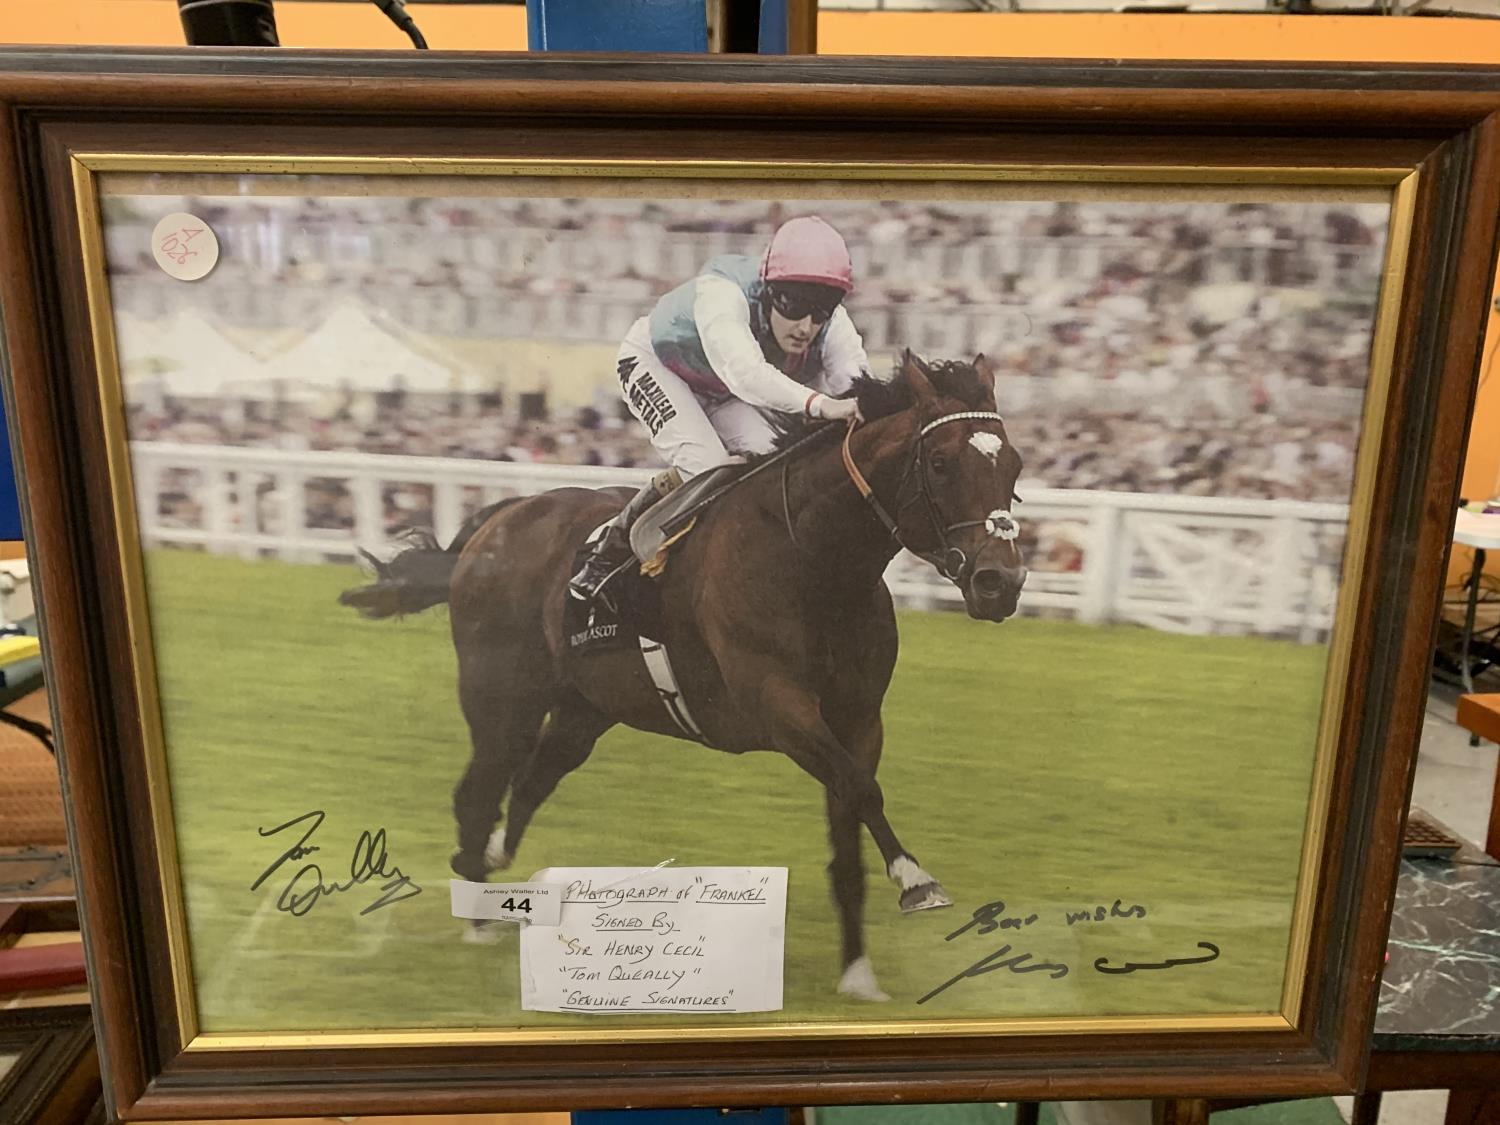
x=630, y=618
x=629, y=607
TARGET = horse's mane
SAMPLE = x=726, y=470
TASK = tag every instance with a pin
x=953, y=378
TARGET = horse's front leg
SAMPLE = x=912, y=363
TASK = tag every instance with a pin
x=798, y=729
x=847, y=874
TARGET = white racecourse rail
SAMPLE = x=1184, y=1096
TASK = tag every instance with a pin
x=1181, y=563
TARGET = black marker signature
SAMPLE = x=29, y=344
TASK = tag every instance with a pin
x=306, y=885
x=989, y=918
x=1016, y=963
x=1102, y=964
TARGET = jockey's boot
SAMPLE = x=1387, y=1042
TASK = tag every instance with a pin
x=611, y=550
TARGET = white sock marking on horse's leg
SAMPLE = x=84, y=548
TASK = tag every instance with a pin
x=494, y=852
x=485, y=933
x=859, y=981
x=908, y=872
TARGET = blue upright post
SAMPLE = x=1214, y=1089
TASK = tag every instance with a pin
x=639, y=25
x=648, y=25
x=10, y=505
x=775, y=31
x=617, y=25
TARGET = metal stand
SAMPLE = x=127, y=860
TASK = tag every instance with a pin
x=1464, y=671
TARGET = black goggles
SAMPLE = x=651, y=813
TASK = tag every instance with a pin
x=798, y=301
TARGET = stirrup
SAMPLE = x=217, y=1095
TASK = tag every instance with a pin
x=595, y=591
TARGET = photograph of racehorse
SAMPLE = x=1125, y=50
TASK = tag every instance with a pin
x=993, y=534
x=775, y=608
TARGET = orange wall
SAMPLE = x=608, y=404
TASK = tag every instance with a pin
x=477, y=27
x=1109, y=35
x=466, y=27
x=1075, y=35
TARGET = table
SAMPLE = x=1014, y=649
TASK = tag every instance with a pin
x=1482, y=532
x=1438, y=1022
x=18, y=680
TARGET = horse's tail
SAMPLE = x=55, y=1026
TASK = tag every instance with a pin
x=417, y=577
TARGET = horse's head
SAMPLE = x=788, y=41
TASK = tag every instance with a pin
x=953, y=504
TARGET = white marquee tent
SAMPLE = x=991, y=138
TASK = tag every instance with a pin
x=352, y=351
x=187, y=357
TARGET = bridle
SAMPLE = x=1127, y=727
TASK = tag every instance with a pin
x=951, y=561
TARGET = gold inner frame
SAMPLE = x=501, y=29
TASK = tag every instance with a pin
x=1401, y=182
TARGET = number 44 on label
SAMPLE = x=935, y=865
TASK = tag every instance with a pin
x=538, y=903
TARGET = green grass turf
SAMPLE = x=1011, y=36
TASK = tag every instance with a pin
x=1052, y=765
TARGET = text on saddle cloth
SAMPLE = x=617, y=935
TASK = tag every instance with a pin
x=630, y=618
x=629, y=608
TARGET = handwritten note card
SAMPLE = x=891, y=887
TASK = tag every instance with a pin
x=686, y=939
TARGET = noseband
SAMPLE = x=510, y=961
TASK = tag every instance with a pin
x=950, y=561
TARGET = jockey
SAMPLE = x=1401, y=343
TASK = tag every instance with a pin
x=721, y=355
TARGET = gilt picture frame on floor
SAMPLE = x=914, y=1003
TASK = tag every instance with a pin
x=837, y=616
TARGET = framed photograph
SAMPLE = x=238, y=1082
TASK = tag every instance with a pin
x=576, y=584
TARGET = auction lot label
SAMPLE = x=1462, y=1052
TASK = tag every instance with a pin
x=539, y=904
x=688, y=939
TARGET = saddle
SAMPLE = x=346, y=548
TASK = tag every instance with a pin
x=673, y=516
x=629, y=609
x=629, y=605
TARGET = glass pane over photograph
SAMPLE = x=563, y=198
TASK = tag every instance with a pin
x=1094, y=694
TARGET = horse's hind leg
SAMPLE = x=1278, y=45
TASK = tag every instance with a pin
x=566, y=743
x=504, y=719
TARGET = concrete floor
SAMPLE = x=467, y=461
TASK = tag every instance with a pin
x=1454, y=780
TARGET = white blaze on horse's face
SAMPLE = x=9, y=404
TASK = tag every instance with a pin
x=988, y=444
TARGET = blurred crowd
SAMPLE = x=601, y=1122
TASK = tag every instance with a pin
x=1258, y=456
x=1021, y=278
x=1186, y=347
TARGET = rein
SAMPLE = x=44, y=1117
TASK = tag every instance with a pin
x=951, y=561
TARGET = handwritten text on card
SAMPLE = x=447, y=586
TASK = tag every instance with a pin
x=692, y=939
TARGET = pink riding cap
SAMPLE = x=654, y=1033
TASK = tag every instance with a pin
x=808, y=249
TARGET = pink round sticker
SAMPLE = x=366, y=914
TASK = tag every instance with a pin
x=184, y=246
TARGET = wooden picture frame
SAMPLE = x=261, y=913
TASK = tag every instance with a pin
x=1427, y=136
x=53, y=1069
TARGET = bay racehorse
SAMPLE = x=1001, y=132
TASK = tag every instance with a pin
x=774, y=609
